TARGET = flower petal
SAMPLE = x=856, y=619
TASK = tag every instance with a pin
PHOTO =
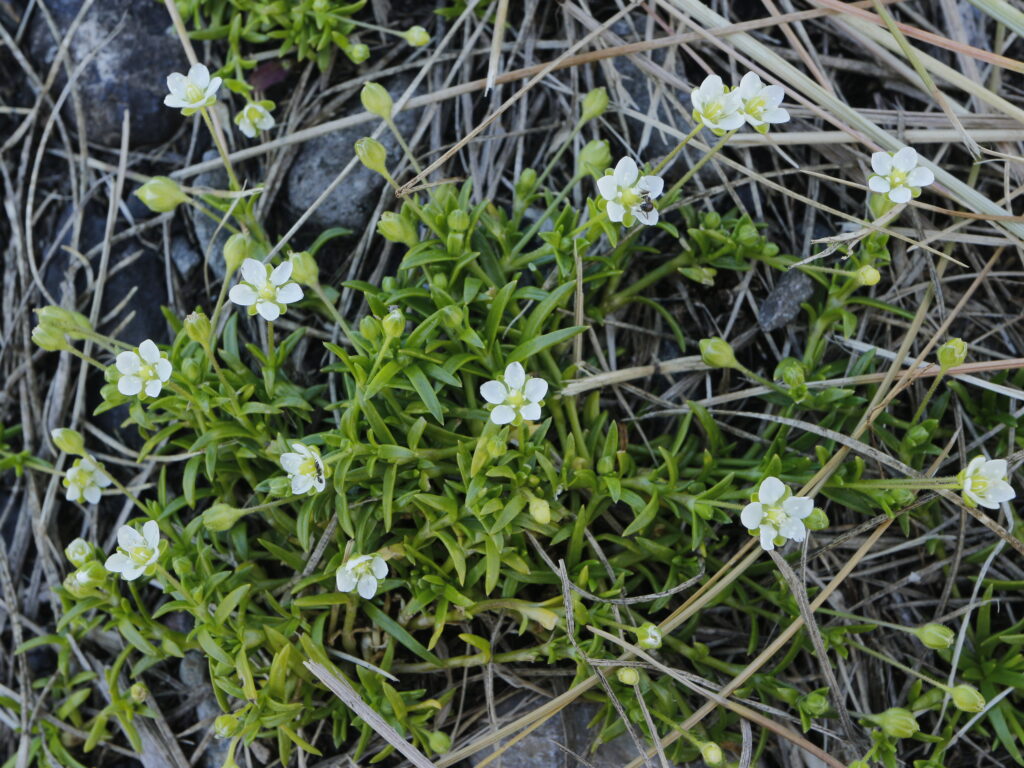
x=994, y=469
x=771, y=491
x=281, y=273
x=129, y=385
x=345, y=580
x=793, y=529
x=750, y=85
x=290, y=462
x=881, y=163
x=535, y=389
x=116, y=563
x=301, y=484
x=648, y=218
x=616, y=211
x=289, y=294
x=268, y=310
x=752, y=515
x=626, y=172
x=530, y=411
x=92, y=494
x=254, y=273
x=199, y=75
x=128, y=537
x=163, y=369
x=900, y=195
x=153, y=387
x=920, y=177
x=798, y=507
x=131, y=572
x=768, y=535
x=652, y=185
x=776, y=115
x=515, y=377
x=128, y=362
x=379, y=568
x=243, y=294
x=503, y=414
x=151, y=533
x=879, y=184
x=493, y=392
x=367, y=587
x=607, y=187
x=905, y=160
x=149, y=352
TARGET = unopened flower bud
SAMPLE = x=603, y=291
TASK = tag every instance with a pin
x=952, y=354
x=139, y=693
x=967, y=698
x=220, y=517
x=868, y=275
x=161, y=194
x=370, y=328
x=439, y=742
x=936, y=636
x=897, y=722
x=817, y=520
x=197, y=327
x=879, y=204
x=49, y=339
x=627, y=675
x=393, y=323
x=240, y=247
x=69, y=441
x=398, y=229
x=377, y=100
x=595, y=157
x=225, y=726
x=458, y=220
x=91, y=574
x=594, y=104
x=372, y=154
x=67, y=320
x=357, y=52
x=648, y=636
x=75, y=589
x=416, y=36
x=814, y=704
x=717, y=353
x=540, y=510
x=304, y=269
x=526, y=183
x=78, y=552
x=712, y=754
x=790, y=371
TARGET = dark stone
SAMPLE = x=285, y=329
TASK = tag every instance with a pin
x=321, y=159
x=135, y=49
x=782, y=305
x=211, y=240
x=640, y=86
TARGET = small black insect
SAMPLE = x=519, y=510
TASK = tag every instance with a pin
x=319, y=472
x=646, y=204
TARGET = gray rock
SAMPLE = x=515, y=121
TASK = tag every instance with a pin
x=782, y=305
x=132, y=51
x=211, y=240
x=320, y=160
x=184, y=255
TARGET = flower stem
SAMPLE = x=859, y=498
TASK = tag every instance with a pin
x=221, y=149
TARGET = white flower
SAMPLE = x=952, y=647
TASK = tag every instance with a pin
x=136, y=552
x=143, y=372
x=898, y=175
x=192, y=91
x=254, y=117
x=760, y=103
x=265, y=290
x=362, y=573
x=776, y=514
x=630, y=197
x=517, y=397
x=84, y=481
x=984, y=483
x=305, y=469
x=716, y=106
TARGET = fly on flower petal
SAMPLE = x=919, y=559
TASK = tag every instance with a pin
x=305, y=469
x=630, y=197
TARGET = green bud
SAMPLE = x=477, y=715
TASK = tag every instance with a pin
x=238, y=248
x=717, y=353
x=69, y=441
x=704, y=510
x=220, y=517
x=790, y=371
x=190, y=370
x=393, y=323
x=935, y=636
x=594, y=104
x=304, y=269
x=75, y=589
x=859, y=764
x=225, y=726
x=458, y=220
x=372, y=154
x=712, y=754
x=817, y=520
x=605, y=465
x=648, y=636
x=67, y=320
x=397, y=229
x=627, y=675
x=439, y=742
x=897, y=722
x=928, y=700
x=78, y=552
x=595, y=156
x=526, y=183
x=867, y=275
x=916, y=435
x=357, y=53
x=377, y=100
x=712, y=220
x=91, y=574
x=197, y=327
x=416, y=36
x=370, y=327
x=952, y=354
x=139, y=693
x=879, y=204
x=815, y=704
x=967, y=698
x=161, y=194
x=540, y=510
x=252, y=637
x=182, y=566
x=50, y=339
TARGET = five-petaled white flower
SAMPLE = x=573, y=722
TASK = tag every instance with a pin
x=717, y=107
x=265, y=289
x=760, y=103
x=136, y=552
x=254, y=117
x=305, y=469
x=362, y=573
x=518, y=397
x=628, y=196
x=776, y=515
x=84, y=481
x=897, y=175
x=193, y=91
x=985, y=484
x=143, y=372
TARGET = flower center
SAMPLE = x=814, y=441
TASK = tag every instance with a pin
x=713, y=110
x=515, y=398
x=979, y=485
x=308, y=467
x=139, y=555
x=775, y=516
x=629, y=198
x=268, y=292
x=147, y=372
x=755, y=106
x=193, y=92
x=897, y=178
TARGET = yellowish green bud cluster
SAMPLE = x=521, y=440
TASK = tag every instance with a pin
x=161, y=194
x=897, y=722
x=952, y=354
x=372, y=154
x=627, y=675
x=594, y=104
x=304, y=269
x=70, y=441
x=377, y=100
x=935, y=636
x=717, y=353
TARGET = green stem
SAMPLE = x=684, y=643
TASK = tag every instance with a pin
x=221, y=149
